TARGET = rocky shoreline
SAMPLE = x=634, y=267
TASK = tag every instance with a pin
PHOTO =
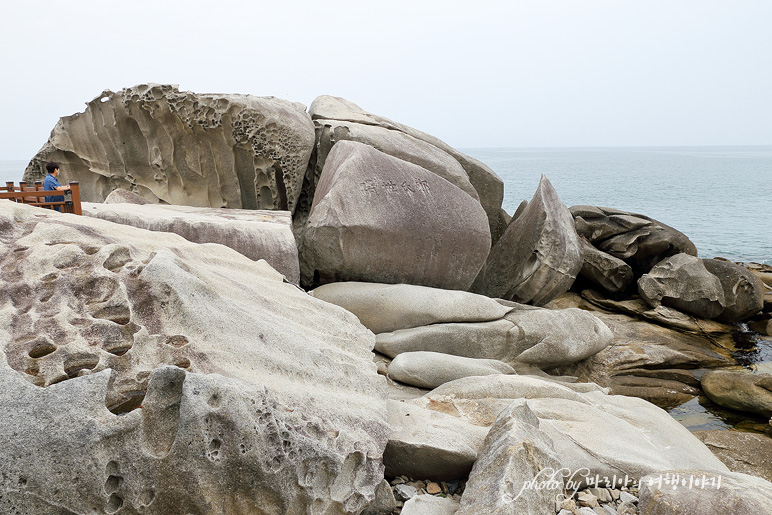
x=274, y=309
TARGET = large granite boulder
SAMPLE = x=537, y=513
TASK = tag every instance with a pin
x=337, y=119
x=637, y=239
x=682, y=282
x=703, y=492
x=258, y=234
x=515, y=455
x=538, y=256
x=591, y=431
x=739, y=390
x=741, y=451
x=141, y=372
x=743, y=291
x=378, y=218
x=431, y=369
x=206, y=150
x=610, y=273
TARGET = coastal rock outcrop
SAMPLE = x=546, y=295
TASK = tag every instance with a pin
x=378, y=218
x=206, y=150
x=638, y=240
x=257, y=234
x=144, y=373
x=743, y=291
x=538, y=256
x=431, y=369
x=682, y=282
x=740, y=391
x=741, y=451
x=610, y=273
x=337, y=119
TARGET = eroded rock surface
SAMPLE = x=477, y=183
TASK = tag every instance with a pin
x=431, y=369
x=743, y=291
x=538, y=256
x=377, y=218
x=196, y=380
x=257, y=234
x=740, y=451
x=610, y=273
x=206, y=150
x=739, y=390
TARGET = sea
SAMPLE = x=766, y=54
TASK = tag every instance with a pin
x=719, y=196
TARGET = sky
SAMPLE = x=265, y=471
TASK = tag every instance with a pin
x=527, y=73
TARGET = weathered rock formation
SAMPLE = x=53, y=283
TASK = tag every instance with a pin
x=682, y=282
x=538, y=256
x=237, y=151
x=610, y=273
x=141, y=372
x=739, y=390
x=381, y=219
x=337, y=119
x=431, y=369
x=257, y=234
x=741, y=451
x=638, y=240
x=743, y=291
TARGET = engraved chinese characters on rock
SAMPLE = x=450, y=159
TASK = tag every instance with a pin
x=374, y=186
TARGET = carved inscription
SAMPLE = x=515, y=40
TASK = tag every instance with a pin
x=410, y=187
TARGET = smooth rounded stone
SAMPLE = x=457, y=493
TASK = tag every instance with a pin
x=488, y=185
x=638, y=240
x=257, y=234
x=431, y=369
x=743, y=291
x=165, y=372
x=514, y=456
x=740, y=391
x=206, y=150
x=426, y=230
x=683, y=282
x=711, y=492
x=384, y=502
x=761, y=324
x=610, y=273
x=538, y=337
x=610, y=435
x=125, y=197
x=384, y=308
x=425, y=443
x=538, y=256
x=664, y=393
x=430, y=505
x=740, y=451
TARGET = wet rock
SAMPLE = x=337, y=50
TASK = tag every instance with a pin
x=743, y=291
x=256, y=234
x=431, y=369
x=610, y=273
x=122, y=341
x=739, y=390
x=683, y=282
x=427, y=231
x=538, y=256
x=638, y=240
x=740, y=451
x=514, y=454
x=716, y=492
x=213, y=150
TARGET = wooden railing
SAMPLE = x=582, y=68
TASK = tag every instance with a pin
x=33, y=195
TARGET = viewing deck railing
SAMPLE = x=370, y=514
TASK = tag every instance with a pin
x=33, y=195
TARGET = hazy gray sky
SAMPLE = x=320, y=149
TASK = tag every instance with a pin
x=474, y=73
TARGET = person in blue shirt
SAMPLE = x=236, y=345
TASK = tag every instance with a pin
x=52, y=184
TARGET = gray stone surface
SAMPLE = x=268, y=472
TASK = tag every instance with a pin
x=125, y=197
x=514, y=455
x=384, y=502
x=740, y=451
x=431, y=369
x=610, y=273
x=538, y=256
x=335, y=118
x=723, y=492
x=384, y=308
x=682, y=282
x=125, y=383
x=743, y=291
x=637, y=239
x=207, y=150
x=739, y=390
x=426, y=230
x=428, y=444
x=257, y=234
x=430, y=505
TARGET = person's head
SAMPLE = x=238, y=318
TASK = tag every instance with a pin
x=52, y=167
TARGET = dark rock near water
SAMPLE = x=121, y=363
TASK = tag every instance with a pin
x=740, y=390
x=610, y=273
x=743, y=291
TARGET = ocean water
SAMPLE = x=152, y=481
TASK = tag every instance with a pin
x=720, y=197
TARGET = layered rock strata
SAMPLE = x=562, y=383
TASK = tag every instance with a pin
x=206, y=150
x=175, y=377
